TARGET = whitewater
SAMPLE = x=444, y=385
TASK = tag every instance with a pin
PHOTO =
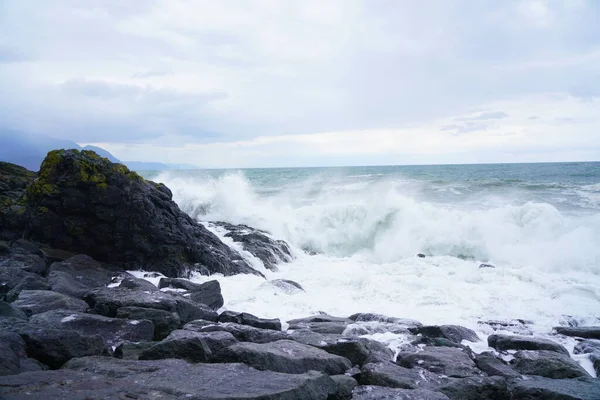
x=355, y=234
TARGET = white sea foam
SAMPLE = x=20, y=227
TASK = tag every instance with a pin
x=367, y=236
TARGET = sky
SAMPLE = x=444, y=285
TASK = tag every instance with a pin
x=270, y=83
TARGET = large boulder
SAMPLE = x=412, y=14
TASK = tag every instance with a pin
x=79, y=274
x=284, y=356
x=453, y=333
x=39, y=301
x=384, y=393
x=208, y=293
x=190, y=346
x=537, y=388
x=391, y=375
x=83, y=203
x=477, y=388
x=258, y=243
x=164, y=322
x=250, y=320
x=113, y=330
x=548, y=364
x=494, y=366
x=586, y=332
x=515, y=342
x=30, y=282
x=9, y=311
x=243, y=333
x=448, y=361
x=360, y=350
x=13, y=182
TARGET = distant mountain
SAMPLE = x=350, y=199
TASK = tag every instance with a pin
x=103, y=153
x=29, y=150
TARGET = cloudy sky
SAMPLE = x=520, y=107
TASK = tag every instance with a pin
x=301, y=82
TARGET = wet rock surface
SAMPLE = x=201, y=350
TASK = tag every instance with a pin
x=250, y=320
x=448, y=361
x=510, y=342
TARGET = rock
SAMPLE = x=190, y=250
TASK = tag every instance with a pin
x=79, y=274
x=322, y=327
x=189, y=311
x=75, y=385
x=477, y=388
x=319, y=318
x=164, y=322
x=436, y=342
x=191, y=348
x=11, y=277
x=106, y=301
x=9, y=311
x=345, y=385
x=210, y=381
x=13, y=182
x=517, y=326
x=12, y=348
x=131, y=282
x=371, y=317
x=112, y=330
x=284, y=356
x=484, y=265
x=494, y=366
x=209, y=293
x=216, y=341
x=54, y=347
x=179, y=283
x=131, y=350
x=360, y=350
x=421, y=255
x=245, y=333
x=595, y=359
x=250, y=320
x=83, y=203
x=306, y=336
x=284, y=285
x=383, y=393
x=448, y=361
x=453, y=333
x=197, y=325
x=548, y=364
x=256, y=242
x=31, y=263
x=586, y=332
x=39, y=301
x=32, y=282
x=587, y=346
x=510, y=342
x=391, y=375
x=538, y=388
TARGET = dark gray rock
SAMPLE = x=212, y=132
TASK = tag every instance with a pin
x=9, y=311
x=106, y=301
x=112, y=330
x=164, y=322
x=12, y=349
x=31, y=263
x=256, y=242
x=32, y=282
x=250, y=320
x=10, y=278
x=197, y=325
x=587, y=346
x=190, y=311
x=285, y=285
x=131, y=350
x=306, y=336
x=510, y=342
x=383, y=393
x=38, y=301
x=211, y=381
x=371, y=317
x=538, y=388
x=216, y=341
x=131, y=282
x=179, y=283
x=548, y=364
x=360, y=350
x=54, y=347
x=284, y=356
x=336, y=328
x=190, y=348
x=391, y=375
x=345, y=386
x=453, y=333
x=586, y=332
x=245, y=333
x=79, y=274
x=517, y=326
x=436, y=342
x=118, y=217
x=448, y=361
x=319, y=318
x=477, y=388
x=494, y=366
x=208, y=293
x=595, y=359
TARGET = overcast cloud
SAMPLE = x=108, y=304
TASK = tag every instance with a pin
x=301, y=82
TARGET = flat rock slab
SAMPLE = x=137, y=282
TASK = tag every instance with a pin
x=394, y=376
x=360, y=350
x=284, y=356
x=39, y=301
x=306, y=336
x=448, y=361
x=78, y=275
x=586, y=332
x=322, y=327
x=189, y=345
x=9, y=311
x=245, y=333
x=106, y=301
x=113, y=330
x=249, y=319
x=494, y=366
x=453, y=333
x=164, y=322
x=477, y=388
x=514, y=342
x=319, y=318
x=537, y=388
x=210, y=381
x=383, y=393
x=548, y=364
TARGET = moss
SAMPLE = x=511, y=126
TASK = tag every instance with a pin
x=43, y=209
x=102, y=186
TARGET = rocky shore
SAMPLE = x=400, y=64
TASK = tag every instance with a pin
x=74, y=324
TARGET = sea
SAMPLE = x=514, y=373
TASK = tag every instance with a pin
x=355, y=233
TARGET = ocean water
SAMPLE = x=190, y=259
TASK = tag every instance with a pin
x=356, y=232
